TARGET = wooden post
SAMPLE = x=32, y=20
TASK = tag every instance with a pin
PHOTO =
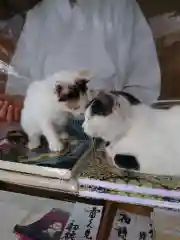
x=107, y=218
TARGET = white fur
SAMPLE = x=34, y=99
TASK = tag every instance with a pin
x=151, y=135
x=42, y=111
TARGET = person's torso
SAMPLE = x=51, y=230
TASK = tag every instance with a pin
x=68, y=38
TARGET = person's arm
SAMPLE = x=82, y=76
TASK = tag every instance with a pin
x=10, y=107
x=137, y=61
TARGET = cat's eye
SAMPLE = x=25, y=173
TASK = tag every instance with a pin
x=58, y=88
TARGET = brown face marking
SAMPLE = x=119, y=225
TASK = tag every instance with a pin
x=102, y=105
x=58, y=91
x=82, y=85
x=71, y=92
x=66, y=93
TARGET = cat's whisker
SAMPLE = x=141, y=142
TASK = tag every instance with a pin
x=93, y=149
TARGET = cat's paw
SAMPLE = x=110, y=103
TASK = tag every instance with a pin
x=33, y=144
x=64, y=136
x=56, y=146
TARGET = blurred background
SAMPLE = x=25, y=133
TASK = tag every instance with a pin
x=163, y=17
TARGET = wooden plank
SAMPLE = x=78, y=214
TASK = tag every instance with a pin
x=137, y=209
x=106, y=223
x=47, y=193
x=109, y=214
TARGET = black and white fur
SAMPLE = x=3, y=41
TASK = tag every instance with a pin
x=48, y=103
x=139, y=137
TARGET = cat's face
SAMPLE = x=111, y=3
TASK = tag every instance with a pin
x=98, y=115
x=107, y=116
x=73, y=93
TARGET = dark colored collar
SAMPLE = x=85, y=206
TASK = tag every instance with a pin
x=131, y=99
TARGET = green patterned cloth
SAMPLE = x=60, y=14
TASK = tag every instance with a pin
x=98, y=169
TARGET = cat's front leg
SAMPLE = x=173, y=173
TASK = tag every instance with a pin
x=34, y=141
x=48, y=130
x=64, y=136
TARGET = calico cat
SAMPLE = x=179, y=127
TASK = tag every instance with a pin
x=139, y=137
x=49, y=102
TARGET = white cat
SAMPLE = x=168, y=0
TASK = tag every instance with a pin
x=140, y=137
x=48, y=103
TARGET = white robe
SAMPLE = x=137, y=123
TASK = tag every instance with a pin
x=111, y=38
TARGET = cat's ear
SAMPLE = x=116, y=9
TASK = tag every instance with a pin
x=59, y=91
x=107, y=101
x=82, y=81
x=82, y=85
x=102, y=95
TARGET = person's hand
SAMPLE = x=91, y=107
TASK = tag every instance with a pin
x=10, y=107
